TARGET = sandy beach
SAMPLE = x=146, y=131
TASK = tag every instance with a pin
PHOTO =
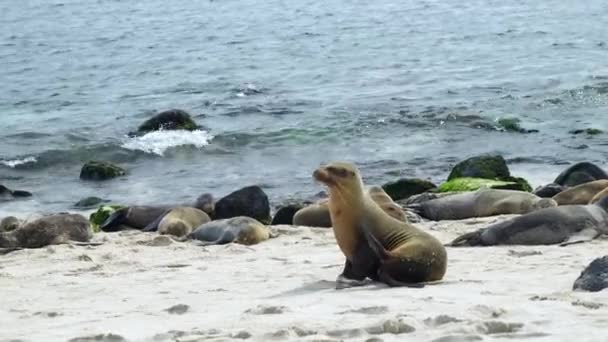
x=145, y=287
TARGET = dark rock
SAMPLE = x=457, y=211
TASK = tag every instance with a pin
x=485, y=166
x=589, y=131
x=580, y=173
x=174, y=119
x=178, y=309
x=250, y=201
x=99, y=170
x=89, y=202
x=513, y=125
x=99, y=338
x=8, y=194
x=406, y=187
x=594, y=277
x=549, y=190
x=286, y=213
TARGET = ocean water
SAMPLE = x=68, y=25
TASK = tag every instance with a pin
x=404, y=89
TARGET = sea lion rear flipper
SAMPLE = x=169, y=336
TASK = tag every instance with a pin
x=582, y=236
x=153, y=226
x=114, y=220
x=468, y=239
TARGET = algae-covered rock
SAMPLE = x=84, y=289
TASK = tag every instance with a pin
x=406, y=187
x=513, y=125
x=100, y=170
x=472, y=184
x=102, y=213
x=174, y=119
x=523, y=184
x=484, y=166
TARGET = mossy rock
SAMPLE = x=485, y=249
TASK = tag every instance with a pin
x=472, y=184
x=513, y=125
x=89, y=202
x=174, y=119
x=100, y=170
x=103, y=212
x=484, y=166
x=523, y=184
x=406, y=187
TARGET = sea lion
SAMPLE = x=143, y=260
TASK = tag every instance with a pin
x=481, y=203
x=9, y=223
x=137, y=217
x=178, y=221
x=206, y=203
x=375, y=244
x=581, y=194
x=48, y=230
x=599, y=196
x=241, y=229
x=387, y=204
x=562, y=225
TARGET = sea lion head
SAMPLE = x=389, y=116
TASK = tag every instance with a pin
x=339, y=176
x=545, y=203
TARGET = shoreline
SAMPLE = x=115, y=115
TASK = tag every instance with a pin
x=282, y=289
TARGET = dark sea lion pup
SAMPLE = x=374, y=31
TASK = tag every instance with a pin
x=562, y=225
x=375, y=244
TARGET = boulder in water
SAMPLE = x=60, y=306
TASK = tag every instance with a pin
x=485, y=166
x=174, y=119
x=100, y=170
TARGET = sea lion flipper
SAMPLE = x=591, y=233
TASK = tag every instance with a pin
x=582, y=236
x=373, y=243
x=114, y=220
x=153, y=226
x=468, y=239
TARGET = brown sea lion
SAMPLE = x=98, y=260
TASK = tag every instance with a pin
x=241, y=229
x=317, y=214
x=178, y=221
x=599, y=196
x=48, y=230
x=375, y=244
x=581, y=194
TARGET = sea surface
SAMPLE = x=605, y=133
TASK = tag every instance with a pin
x=402, y=88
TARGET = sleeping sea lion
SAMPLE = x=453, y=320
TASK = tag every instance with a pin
x=241, y=229
x=375, y=244
x=563, y=225
x=581, y=194
x=599, y=196
x=48, y=230
x=480, y=203
x=9, y=223
x=178, y=221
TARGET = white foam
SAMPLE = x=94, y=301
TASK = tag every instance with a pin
x=16, y=162
x=159, y=141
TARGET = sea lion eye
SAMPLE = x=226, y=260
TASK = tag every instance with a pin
x=338, y=171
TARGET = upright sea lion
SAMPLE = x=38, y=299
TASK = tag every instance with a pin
x=581, y=194
x=563, y=225
x=48, y=230
x=241, y=229
x=137, y=217
x=480, y=203
x=375, y=244
x=178, y=221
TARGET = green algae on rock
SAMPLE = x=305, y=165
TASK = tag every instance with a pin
x=103, y=212
x=472, y=184
x=484, y=166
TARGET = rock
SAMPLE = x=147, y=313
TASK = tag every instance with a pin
x=513, y=125
x=250, y=201
x=472, y=184
x=89, y=202
x=103, y=212
x=484, y=166
x=580, y=173
x=178, y=309
x=406, y=187
x=594, y=277
x=48, y=230
x=174, y=119
x=99, y=170
x=549, y=190
x=522, y=184
x=589, y=131
x=9, y=223
x=8, y=194
x=286, y=213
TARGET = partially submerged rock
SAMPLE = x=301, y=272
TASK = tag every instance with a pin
x=485, y=166
x=594, y=277
x=513, y=125
x=100, y=170
x=250, y=201
x=8, y=194
x=588, y=131
x=406, y=187
x=472, y=184
x=89, y=202
x=174, y=119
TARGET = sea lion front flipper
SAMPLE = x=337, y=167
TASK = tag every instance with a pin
x=114, y=220
x=468, y=239
x=351, y=276
x=582, y=236
x=153, y=226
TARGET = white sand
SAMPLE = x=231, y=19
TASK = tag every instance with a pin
x=283, y=289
